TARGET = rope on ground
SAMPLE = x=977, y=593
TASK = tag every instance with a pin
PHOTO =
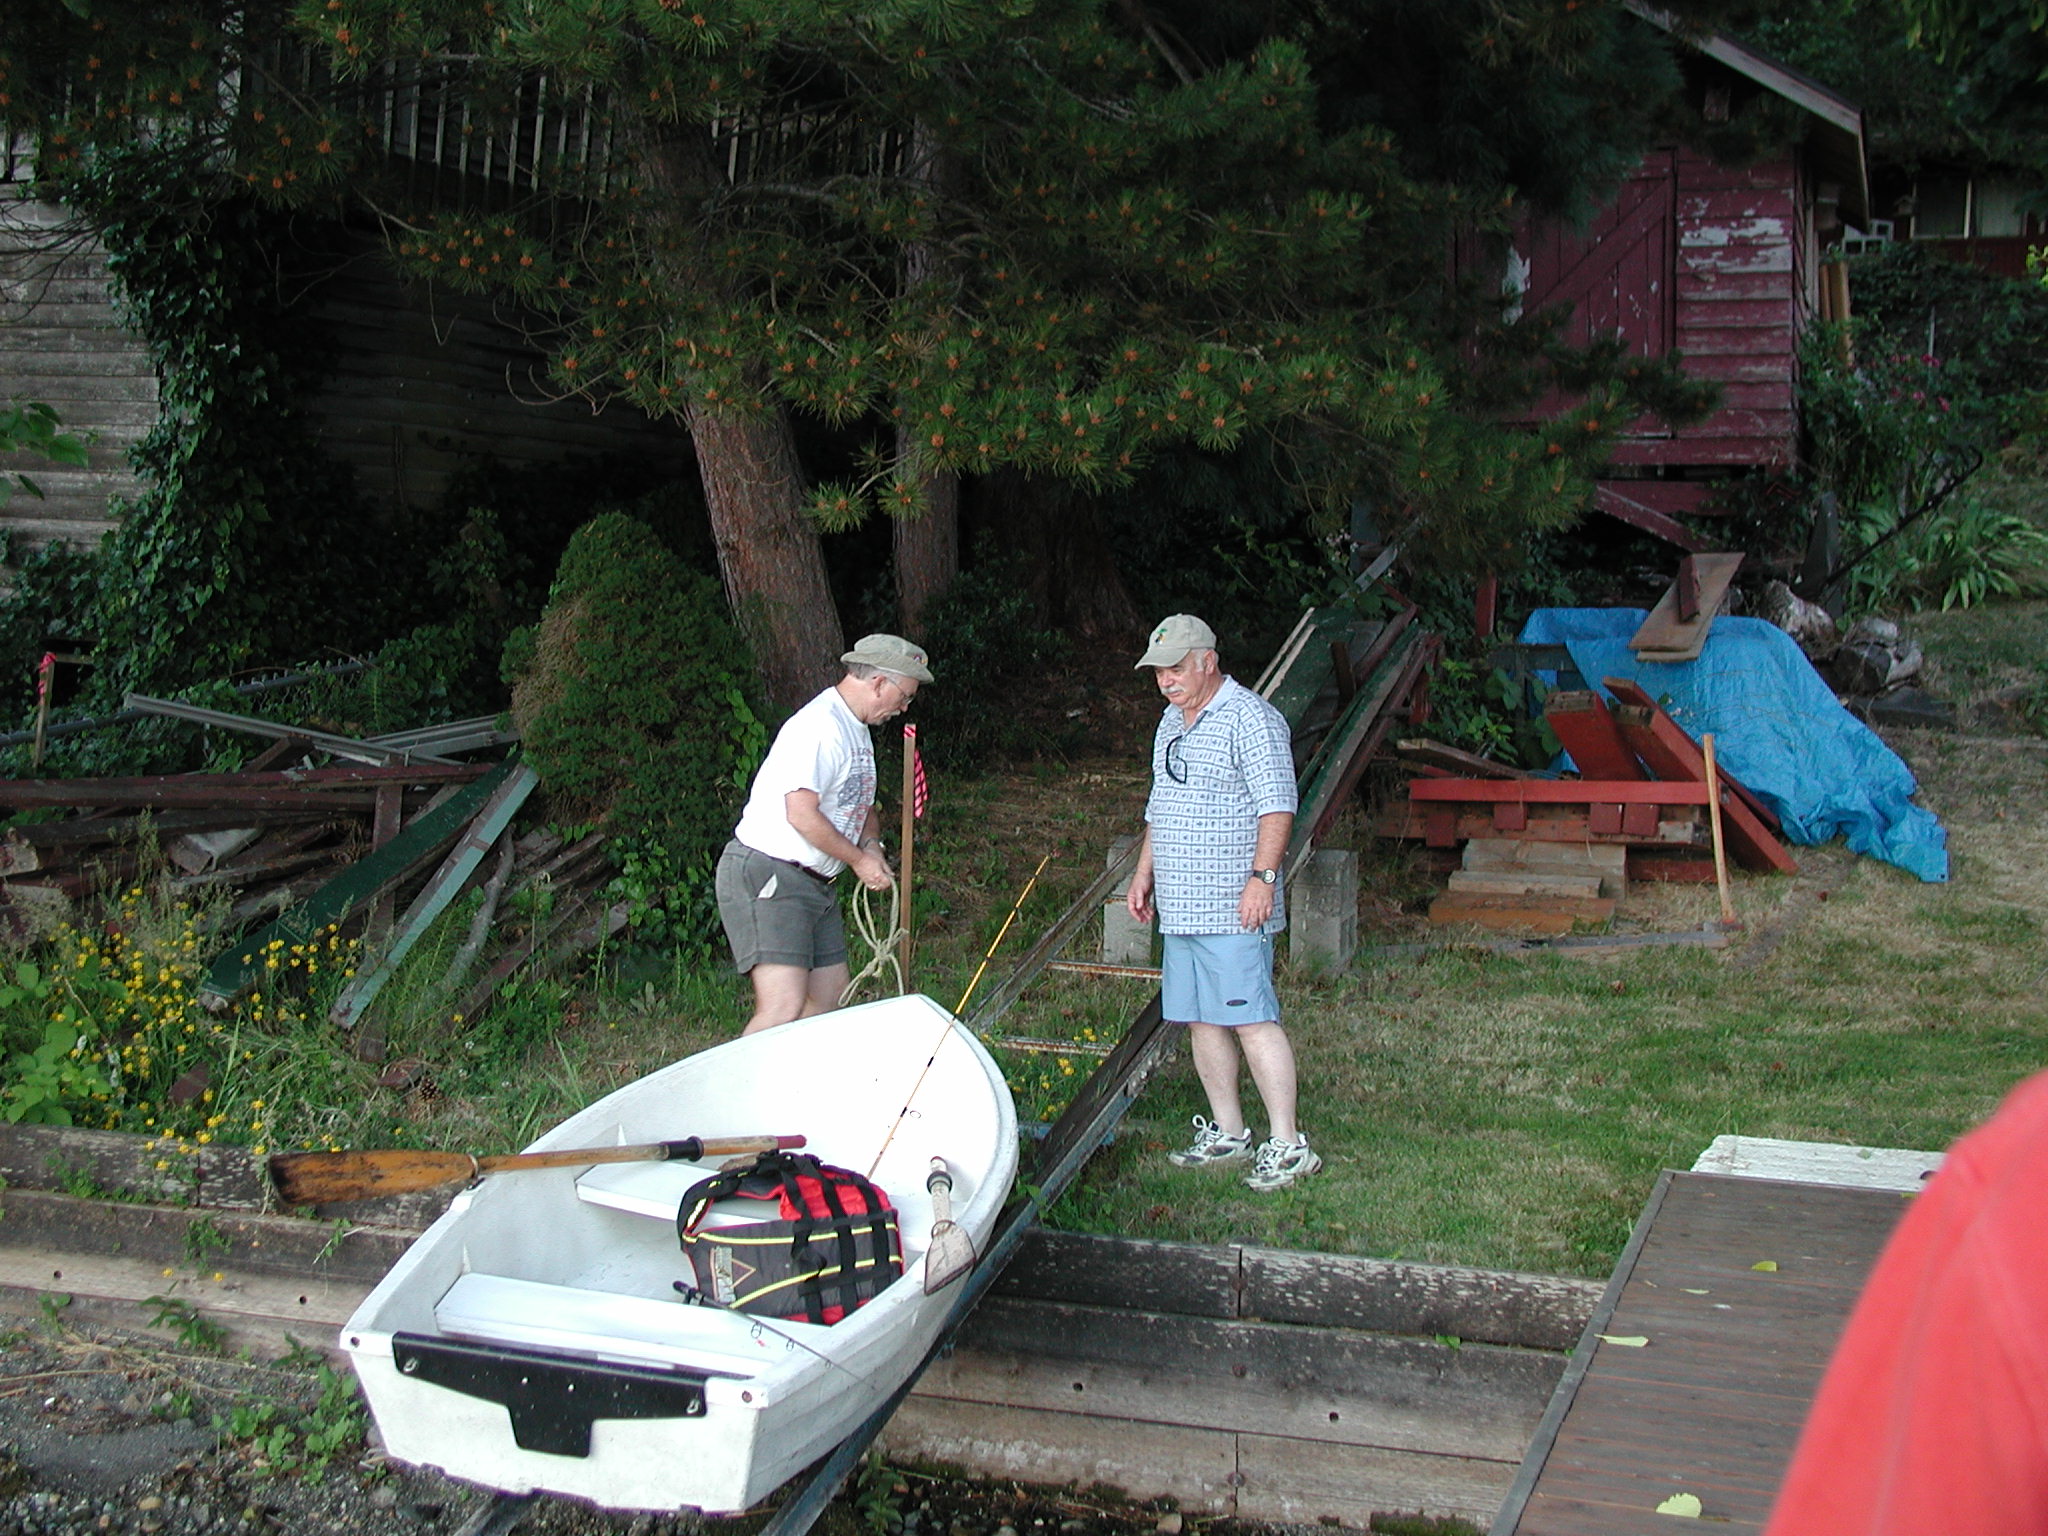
x=887, y=949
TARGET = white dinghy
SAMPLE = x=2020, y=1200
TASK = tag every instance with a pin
x=533, y=1339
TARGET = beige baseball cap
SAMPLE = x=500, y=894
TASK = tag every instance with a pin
x=1174, y=638
x=892, y=653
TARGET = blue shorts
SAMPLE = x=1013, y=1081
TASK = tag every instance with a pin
x=1218, y=978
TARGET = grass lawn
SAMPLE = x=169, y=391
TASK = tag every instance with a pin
x=1514, y=1112
x=1473, y=1109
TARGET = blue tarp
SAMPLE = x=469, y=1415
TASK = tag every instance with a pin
x=1778, y=727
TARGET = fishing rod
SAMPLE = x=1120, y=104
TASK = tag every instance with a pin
x=953, y=1018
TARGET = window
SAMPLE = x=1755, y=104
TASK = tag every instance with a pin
x=1941, y=207
x=1999, y=208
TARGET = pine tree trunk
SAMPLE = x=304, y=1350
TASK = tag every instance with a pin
x=769, y=553
x=927, y=551
x=927, y=545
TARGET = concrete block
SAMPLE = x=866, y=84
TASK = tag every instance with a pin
x=1322, y=910
x=1125, y=940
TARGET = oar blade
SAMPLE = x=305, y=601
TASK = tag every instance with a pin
x=950, y=1256
x=320, y=1178
x=950, y=1253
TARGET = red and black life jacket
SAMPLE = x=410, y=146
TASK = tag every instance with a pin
x=836, y=1246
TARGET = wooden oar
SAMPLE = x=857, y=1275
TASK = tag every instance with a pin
x=316, y=1178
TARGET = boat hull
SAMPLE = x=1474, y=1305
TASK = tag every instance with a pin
x=532, y=1340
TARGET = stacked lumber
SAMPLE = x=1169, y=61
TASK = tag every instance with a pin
x=304, y=848
x=1526, y=884
x=1642, y=791
x=266, y=834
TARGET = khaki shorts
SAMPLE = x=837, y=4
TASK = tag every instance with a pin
x=777, y=913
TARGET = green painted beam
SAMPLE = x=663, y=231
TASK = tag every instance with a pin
x=455, y=870
x=355, y=889
x=1327, y=775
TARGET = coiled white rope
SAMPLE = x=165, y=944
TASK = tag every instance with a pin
x=887, y=949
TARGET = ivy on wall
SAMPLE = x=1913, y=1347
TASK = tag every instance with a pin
x=245, y=546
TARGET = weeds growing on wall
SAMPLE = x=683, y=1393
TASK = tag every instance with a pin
x=31, y=427
x=103, y=1028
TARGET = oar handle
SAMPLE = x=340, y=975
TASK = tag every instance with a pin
x=689, y=1150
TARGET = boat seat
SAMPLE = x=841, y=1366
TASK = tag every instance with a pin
x=499, y=1309
x=652, y=1189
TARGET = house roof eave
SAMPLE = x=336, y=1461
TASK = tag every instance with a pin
x=1837, y=132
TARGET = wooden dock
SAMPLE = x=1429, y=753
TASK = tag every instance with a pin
x=1694, y=1375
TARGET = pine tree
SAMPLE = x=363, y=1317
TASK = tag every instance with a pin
x=1053, y=237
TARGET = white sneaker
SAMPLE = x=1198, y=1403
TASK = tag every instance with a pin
x=1280, y=1163
x=1212, y=1144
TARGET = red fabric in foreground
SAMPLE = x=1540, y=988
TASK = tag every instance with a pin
x=1933, y=1414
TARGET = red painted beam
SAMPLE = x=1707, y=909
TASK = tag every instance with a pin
x=1651, y=521
x=1558, y=791
x=1671, y=753
x=1587, y=730
x=1666, y=750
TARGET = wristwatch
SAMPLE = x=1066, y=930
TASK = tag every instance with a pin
x=1269, y=876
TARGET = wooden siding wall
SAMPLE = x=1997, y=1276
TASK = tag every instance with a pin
x=1741, y=307
x=1616, y=275
x=427, y=380
x=424, y=382
x=62, y=343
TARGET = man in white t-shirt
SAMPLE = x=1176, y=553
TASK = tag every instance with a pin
x=810, y=814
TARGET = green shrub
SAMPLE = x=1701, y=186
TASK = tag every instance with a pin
x=2026, y=449
x=1955, y=557
x=632, y=695
x=1988, y=331
x=1882, y=426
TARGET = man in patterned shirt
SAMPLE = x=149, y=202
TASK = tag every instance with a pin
x=1216, y=830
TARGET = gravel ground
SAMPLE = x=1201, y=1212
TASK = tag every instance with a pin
x=108, y=1432
x=111, y=1432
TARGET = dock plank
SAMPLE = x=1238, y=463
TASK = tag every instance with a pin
x=1713, y=1402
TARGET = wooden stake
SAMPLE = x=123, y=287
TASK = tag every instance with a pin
x=46, y=676
x=909, y=850
x=1728, y=917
